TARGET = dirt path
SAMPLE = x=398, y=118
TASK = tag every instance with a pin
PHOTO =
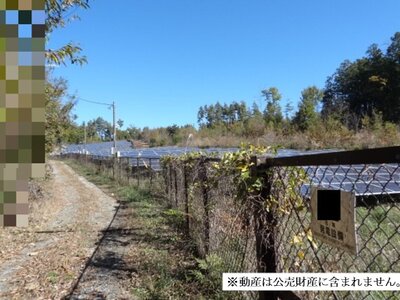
x=45, y=260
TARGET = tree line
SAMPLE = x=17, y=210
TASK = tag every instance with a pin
x=366, y=87
x=358, y=92
x=212, y=116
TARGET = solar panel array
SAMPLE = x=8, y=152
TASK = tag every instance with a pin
x=97, y=149
x=125, y=149
x=360, y=179
x=138, y=157
x=150, y=156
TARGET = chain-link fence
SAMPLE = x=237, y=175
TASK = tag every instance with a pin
x=143, y=172
x=250, y=236
x=377, y=222
x=376, y=188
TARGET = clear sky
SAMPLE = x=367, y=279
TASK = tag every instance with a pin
x=161, y=60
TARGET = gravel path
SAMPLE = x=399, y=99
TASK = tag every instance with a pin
x=45, y=260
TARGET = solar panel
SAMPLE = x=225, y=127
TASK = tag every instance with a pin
x=362, y=180
x=100, y=149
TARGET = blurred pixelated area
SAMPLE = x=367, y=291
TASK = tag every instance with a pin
x=22, y=102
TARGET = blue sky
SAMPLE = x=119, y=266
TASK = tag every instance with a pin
x=161, y=60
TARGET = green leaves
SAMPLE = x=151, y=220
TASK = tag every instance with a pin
x=57, y=114
x=272, y=114
x=69, y=51
x=58, y=15
x=366, y=86
x=307, y=115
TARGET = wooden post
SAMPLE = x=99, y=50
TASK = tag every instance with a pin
x=206, y=204
x=118, y=165
x=151, y=173
x=166, y=180
x=265, y=237
x=264, y=233
x=128, y=169
x=176, y=186
x=123, y=169
x=137, y=171
x=186, y=195
x=170, y=184
x=113, y=167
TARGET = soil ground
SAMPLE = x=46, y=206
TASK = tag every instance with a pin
x=83, y=244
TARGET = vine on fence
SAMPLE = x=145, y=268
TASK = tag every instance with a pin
x=247, y=184
x=237, y=164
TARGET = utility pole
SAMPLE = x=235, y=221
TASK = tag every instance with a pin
x=84, y=135
x=115, y=141
x=112, y=105
x=114, y=129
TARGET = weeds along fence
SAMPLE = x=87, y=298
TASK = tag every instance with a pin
x=142, y=172
x=253, y=214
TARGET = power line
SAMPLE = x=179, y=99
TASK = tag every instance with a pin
x=110, y=105
x=95, y=102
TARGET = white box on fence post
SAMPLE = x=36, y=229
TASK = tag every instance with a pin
x=333, y=218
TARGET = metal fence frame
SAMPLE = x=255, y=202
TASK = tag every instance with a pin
x=265, y=248
x=263, y=165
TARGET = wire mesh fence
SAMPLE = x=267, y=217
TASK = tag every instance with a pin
x=377, y=216
x=249, y=236
x=143, y=173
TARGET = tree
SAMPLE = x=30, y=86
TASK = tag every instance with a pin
x=272, y=114
x=58, y=15
x=255, y=110
x=393, y=51
x=100, y=129
x=57, y=114
x=307, y=115
x=200, y=116
x=172, y=130
x=366, y=86
x=74, y=134
x=120, y=123
x=288, y=110
x=241, y=111
x=218, y=112
x=134, y=132
x=58, y=119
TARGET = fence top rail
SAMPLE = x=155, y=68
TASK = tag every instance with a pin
x=366, y=156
